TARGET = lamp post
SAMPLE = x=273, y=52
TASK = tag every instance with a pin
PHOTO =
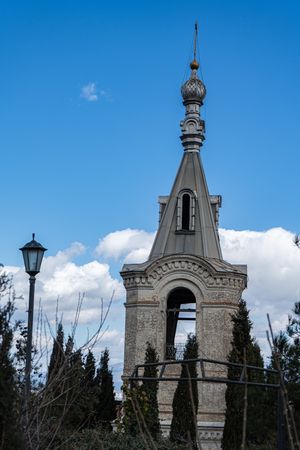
x=33, y=253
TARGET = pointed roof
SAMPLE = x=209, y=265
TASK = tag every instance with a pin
x=204, y=239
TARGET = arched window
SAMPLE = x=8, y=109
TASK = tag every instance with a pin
x=186, y=211
x=185, y=220
x=181, y=316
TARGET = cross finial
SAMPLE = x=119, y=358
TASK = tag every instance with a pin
x=195, y=40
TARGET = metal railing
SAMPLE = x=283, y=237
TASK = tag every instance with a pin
x=214, y=371
x=204, y=372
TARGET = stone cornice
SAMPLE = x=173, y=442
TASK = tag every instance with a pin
x=212, y=273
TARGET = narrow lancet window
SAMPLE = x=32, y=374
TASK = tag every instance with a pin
x=186, y=200
x=186, y=211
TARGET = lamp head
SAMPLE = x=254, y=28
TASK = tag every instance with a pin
x=33, y=253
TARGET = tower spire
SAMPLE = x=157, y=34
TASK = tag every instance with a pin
x=188, y=222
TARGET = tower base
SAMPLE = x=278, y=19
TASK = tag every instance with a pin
x=210, y=433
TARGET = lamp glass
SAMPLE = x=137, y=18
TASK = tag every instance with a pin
x=33, y=253
x=33, y=260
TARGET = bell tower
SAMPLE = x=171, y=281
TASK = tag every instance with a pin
x=185, y=277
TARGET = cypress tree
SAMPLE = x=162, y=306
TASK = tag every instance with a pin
x=10, y=435
x=242, y=340
x=141, y=399
x=89, y=369
x=69, y=349
x=151, y=389
x=56, y=385
x=293, y=330
x=90, y=390
x=75, y=395
x=287, y=344
x=65, y=385
x=57, y=358
x=106, y=406
x=185, y=402
x=134, y=395
x=293, y=355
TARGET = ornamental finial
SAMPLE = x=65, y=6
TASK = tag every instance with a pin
x=193, y=93
x=193, y=90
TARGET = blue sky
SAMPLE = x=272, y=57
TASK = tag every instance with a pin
x=74, y=170
x=89, y=135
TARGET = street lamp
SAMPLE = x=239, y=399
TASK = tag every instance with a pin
x=33, y=253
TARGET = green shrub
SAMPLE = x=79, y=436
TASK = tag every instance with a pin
x=99, y=439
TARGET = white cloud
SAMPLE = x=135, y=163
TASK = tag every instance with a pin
x=273, y=263
x=62, y=278
x=131, y=245
x=273, y=270
x=273, y=274
x=89, y=92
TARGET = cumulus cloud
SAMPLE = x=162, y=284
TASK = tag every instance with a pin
x=62, y=278
x=273, y=281
x=132, y=245
x=60, y=283
x=89, y=92
x=273, y=263
x=273, y=273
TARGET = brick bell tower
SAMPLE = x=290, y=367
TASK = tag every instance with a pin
x=185, y=277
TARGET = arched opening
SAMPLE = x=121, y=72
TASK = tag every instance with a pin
x=186, y=200
x=181, y=317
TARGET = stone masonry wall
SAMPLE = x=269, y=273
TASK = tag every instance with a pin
x=217, y=296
